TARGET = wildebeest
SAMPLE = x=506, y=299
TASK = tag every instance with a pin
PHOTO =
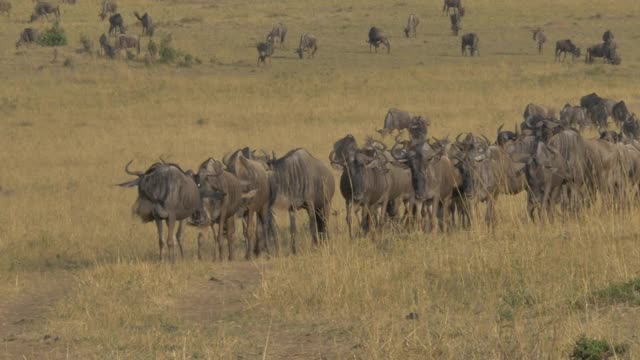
x=300, y=181
x=472, y=41
x=540, y=38
x=116, y=23
x=595, y=51
x=564, y=47
x=5, y=7
x=309, y=44
x=573, y=116
x=127, y=42
x=433, y=177
x=278, y=33
x=412, y=24
x=229, y=199
x=532, y=110
x=253, y=174
x=620, y=113
x=492, y=172
x=377, y=37
x=147, y=23
x=610, y=52
x=108, y=7
x=44, y=9
x=456, y=19
x=363, y=180
x=448, y=4
x=27, y=37
x=165, y=193
x=395, y=119
x=265, y=50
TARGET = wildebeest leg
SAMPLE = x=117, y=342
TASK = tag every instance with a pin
x=292, y=229
x=488, y=217
x=231, y=230
x=216, y=242
x=445, y=214
x=348, y=217
x=171, y=224
x=313, y=224
x=179, y=237
x=220, y=235
x=200, y=241
x=250, y=234
x=160, y=239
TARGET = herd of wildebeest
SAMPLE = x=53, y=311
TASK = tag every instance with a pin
x=607, y=50
x=418, y=183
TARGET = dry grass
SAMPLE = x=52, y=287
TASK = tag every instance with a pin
x=518, y=292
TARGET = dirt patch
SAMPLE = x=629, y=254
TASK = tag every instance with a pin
x=23, y=318
x=226, y=299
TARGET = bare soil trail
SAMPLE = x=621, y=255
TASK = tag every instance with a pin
x=23, y=317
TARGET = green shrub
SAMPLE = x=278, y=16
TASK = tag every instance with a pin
x=595, y=349
x=53, y=36
x=168, y=54
x=617, y=293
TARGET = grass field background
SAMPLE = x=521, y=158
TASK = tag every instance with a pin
x=85, y=271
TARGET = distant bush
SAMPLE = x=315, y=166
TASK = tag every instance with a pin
x=168, y=54
x=595, y=349
x=53, y=36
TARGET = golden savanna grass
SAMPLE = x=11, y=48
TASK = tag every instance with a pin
x=521, y=291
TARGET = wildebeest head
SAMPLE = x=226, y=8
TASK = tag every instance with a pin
x=631, y=127
x=417, y=158
x=504, y=136
x=360, y=166
x=610, y=136
x=343, y=151
x=418, y=128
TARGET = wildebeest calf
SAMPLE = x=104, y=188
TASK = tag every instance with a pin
x=308, y=43
x=472, y=41
x=128, y=42
x=412, y=24
x=27, y=37
x=377, y=37
x=566, y=46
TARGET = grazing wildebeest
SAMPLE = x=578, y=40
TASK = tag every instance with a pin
x=472, y=41
x=395, y=119
x=455, y=4
x=532, y=110
x=229, y=199
x=108, y=7
x=27, y=37
x=127, y=42
x=5, y=7
x=166, y=193
x=252, y=174
x=265, y=50
x=412, y=24
x=300, y=181
x=573, y=116
x=44, y=9
x=456, y=19
x=278, y=33
x=147, y=23
x=540, y=38
x=377, y=37
x=116, y=23
x=607, y=36
x=564, y=47
x=309, y=44
x=433, y=176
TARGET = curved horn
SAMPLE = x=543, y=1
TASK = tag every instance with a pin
x=136, y=173
x=332, y=157
x=485, y=139
x=253, y=153
x=226, y=158
x=396, y=152
x=458, y=138
x=500, y=129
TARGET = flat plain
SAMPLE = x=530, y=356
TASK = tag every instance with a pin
x=79, y=276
